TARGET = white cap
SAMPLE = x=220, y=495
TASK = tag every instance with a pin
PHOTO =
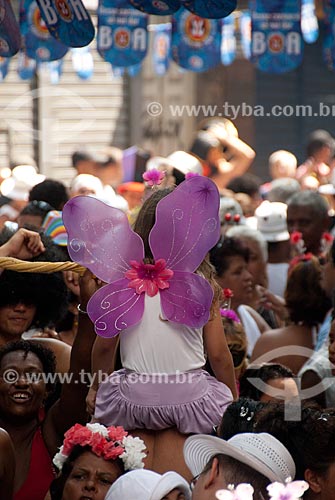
x=327, y=189
x=114, y=200
x=271, y=221
x=185, y=163
x=144, y=484
x=87, y=181
x=230, y=206
x=180, y=160
x=156, y=162
x=262, y=452
x=18, y=185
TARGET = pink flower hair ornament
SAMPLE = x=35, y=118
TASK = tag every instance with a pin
x=153, y=177
x=187, y=226
x=109, y=443
x=189, y=175
x=230, y=314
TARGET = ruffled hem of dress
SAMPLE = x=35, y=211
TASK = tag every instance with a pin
x=196, y=417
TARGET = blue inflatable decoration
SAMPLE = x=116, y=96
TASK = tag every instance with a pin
x=161, y=51
x=309, y=21
x=228, y=40
x=26, y=67
x=10, y=38
x=68, y=21
x=156, y=7
x=82, y=62
x=38, y=43
x=210, y=9
x=328, y=48
x=245, y=30
x=4, y=66
x=277, y=44
x=122, y=33
x=196, y=42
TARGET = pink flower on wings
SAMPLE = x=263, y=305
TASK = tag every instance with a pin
x=149, y=278
x=242, y=491
x=186, y=228
x=289, y=491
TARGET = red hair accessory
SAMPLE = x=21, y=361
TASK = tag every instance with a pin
x=227, y=295
x=297, y=242
x=326, y=243
x=305, y=257
x=229, y=219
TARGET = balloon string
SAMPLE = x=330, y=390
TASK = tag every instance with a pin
x=23, y=266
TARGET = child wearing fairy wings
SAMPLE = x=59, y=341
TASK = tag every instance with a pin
x=160, y=299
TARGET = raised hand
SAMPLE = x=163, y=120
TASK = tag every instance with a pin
x=24, y=244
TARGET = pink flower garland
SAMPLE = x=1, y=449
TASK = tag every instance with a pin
x=109, y=443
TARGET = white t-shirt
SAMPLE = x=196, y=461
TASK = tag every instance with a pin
x=319, y=363
x=277, y=275
x=250, y=326
x=158, y=346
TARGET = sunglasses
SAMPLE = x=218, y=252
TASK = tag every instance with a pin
x=194, y=481
x=42, y=205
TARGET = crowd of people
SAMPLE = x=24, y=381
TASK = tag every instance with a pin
x=190, y=354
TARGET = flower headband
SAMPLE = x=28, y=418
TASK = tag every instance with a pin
x=109, y=443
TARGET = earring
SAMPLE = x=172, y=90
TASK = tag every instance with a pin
x=297, y=243
x=325, y=243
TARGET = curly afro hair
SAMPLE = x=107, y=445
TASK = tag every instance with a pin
x=47, y=292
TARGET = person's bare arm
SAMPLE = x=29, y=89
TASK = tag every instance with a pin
x=264, y=345
x=23, y=245
x=102, y=364
x=240, y=157
x=61, y=350
x=7, y=466
x=260, y=321
x=218, y=352
x=71, y=406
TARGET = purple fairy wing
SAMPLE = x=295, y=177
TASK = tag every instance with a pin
x=187, y=224
x=115, y=307
x=100, y=238
x=187, y=300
